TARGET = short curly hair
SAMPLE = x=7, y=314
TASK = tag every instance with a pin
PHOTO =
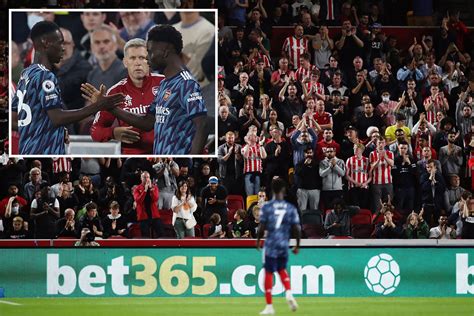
x=168, y=34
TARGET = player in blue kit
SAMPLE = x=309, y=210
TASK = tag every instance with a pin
x=177, y=114
x=37, y=107
x=278, y=218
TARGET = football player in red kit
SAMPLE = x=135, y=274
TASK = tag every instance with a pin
x=139, y=88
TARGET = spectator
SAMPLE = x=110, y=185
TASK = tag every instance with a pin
x=290, y=105
x=294, y=46
x=309, y=182
x=135, y=25
x=44, y=213
x=416, y=227
x=386, y=109
x=196, y=41
x=442, y=231
x=240, y=228
x=349, y=44
x=91, y=220
x=72, y=72
x=166, y=172
x=434, y=103
x=409, y=71
x=217, y=230
x=451, y=156
x=400, y=138
x=358, y=177
x=331, y=170
x=109, y=69
x=426, y=155
x=87, y=239
x=306, y=70
x=381, y=163
x=226, y=122
x=18, y=230
x=230, y=164
x=466, y=209
x=213, y=200
x=302, y=138
x=146, y=196
x=326, y=142
x=278, y=157
x=337, y=85
x=454, y=192
x=109, y=193
x=432, y=192
x=85, y=191
x=338, y=220
x=34, y=185
x=367, y=119
x=272, y=121
x=90, y=21
x=253, y=154
x=114, y=223
x=279, y=76
x=404, y=173
x=66, y=226
x=322, y=45
x=183, y=206
x=388, y=229
x=406, y=106
x=241, y=90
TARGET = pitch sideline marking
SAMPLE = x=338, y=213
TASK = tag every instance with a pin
x=10, y=303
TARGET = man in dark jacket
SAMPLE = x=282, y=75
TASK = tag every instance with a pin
x=433, y=190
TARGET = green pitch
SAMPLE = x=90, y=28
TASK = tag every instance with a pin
x=234, y=306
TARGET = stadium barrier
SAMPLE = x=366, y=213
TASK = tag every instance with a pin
x=170, y=268
x=82, y=144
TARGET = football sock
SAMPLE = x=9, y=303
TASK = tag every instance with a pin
x=268, y=287
x=285, y=279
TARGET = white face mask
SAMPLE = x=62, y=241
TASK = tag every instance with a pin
x=33, y=19
x=15, y=210
x=385, y=98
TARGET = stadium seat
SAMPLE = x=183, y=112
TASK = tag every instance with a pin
x=250, y=200
x=166, y=216
x=81, y=144
x=361, y=224
x=235, y=202
x=230, y=215
x=205, y=230
x=134, y=231
x=197, y=231
x=314, y=231
x=312, y=217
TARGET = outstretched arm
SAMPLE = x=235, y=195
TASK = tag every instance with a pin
x=145, y=123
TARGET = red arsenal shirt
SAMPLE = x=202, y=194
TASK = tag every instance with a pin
x=137, y=101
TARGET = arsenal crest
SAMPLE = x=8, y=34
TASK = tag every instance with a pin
x=167, y=95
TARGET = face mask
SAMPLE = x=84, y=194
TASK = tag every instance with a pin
x=15, y=209
x=33, y=19
x=385, y=99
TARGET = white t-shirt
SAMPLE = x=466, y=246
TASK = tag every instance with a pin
x=435, y=232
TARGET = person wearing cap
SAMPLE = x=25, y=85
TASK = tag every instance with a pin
x=44, y=213
x=213, y=199
x=373, y=134
x=351, y=138
x=390, y=131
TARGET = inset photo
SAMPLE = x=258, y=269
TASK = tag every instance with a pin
x=90, y=82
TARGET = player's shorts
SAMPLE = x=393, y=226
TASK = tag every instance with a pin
x=274, y=264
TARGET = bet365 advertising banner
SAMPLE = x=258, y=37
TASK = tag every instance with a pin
x=235, y=272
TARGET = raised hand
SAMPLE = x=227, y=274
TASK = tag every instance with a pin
x=126, y=134
x=90, y=93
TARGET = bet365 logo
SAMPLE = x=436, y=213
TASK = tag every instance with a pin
x=382, y=274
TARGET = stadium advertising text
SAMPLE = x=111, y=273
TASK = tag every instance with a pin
x=187, y=272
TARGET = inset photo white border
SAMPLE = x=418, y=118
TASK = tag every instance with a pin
x=62, y=11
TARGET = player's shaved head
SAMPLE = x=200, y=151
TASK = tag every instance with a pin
x=278, y=186
x=167, y=34
x=42, y=29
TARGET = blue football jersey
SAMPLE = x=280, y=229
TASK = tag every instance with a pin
x=278, y=217
x=37, y=92
x=177, y=102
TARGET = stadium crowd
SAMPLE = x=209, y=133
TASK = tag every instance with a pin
x=375, y=139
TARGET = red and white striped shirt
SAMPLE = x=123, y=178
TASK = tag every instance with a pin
x=266, y=60
x=382, y=173
x=317, y=87
x=294, y=48
x=302, y=73
x=62, y=165
x=437, y=106
x=357, y=169
x=253, y=160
